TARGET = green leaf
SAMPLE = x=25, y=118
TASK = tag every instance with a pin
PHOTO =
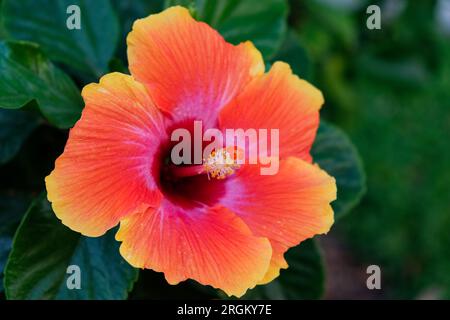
x=129, y=11
x=88, y=49
x=262, y=21
x=304, y=279
x=15, y=127
x=28, y=75
x=12, y=208
x=295, y=55
x=5, y=247
x=335, y=153
x=2, y=31
x=43, y=248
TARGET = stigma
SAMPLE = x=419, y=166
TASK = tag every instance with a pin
x=221, y=163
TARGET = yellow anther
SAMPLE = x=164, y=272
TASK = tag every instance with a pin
x=221, y=163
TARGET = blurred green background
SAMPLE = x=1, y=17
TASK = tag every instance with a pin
x=389, y=89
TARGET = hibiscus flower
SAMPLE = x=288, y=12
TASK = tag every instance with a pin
x=230, y=233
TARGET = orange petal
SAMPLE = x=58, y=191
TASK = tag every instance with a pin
x=212, y=246
x=105, y=170
x=188, y=67
x=286, y=208
x=278, y=100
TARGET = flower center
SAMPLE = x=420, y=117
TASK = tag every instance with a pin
x=221, y=163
